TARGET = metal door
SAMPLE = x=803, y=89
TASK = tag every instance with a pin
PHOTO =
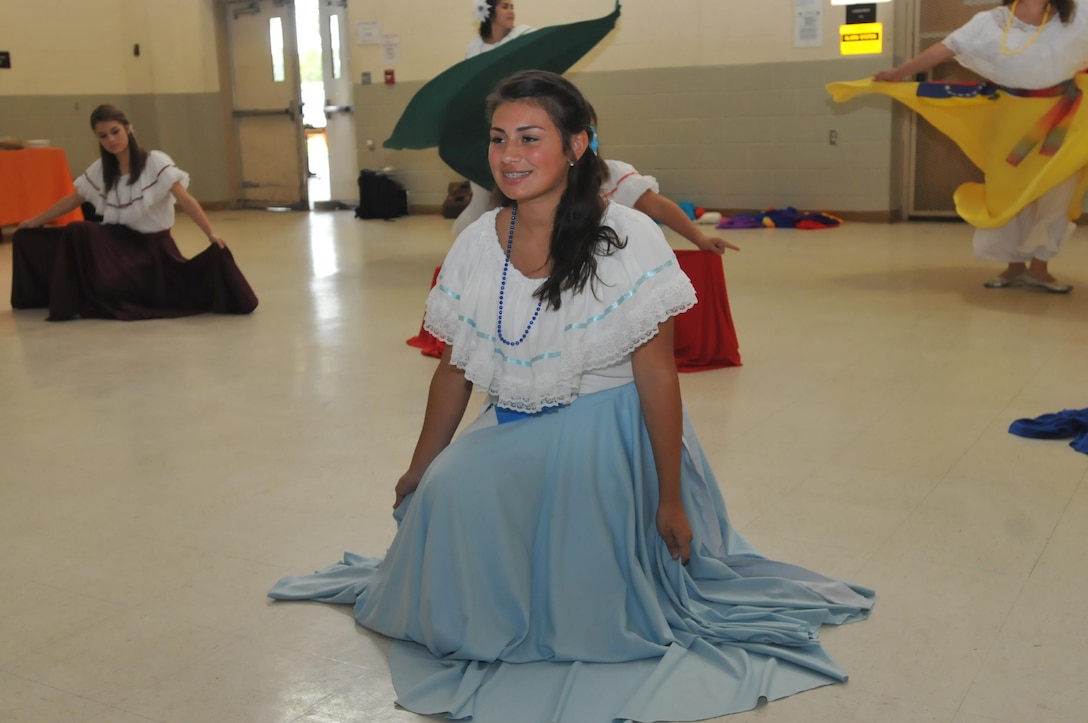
x=339, y=108
x=937, y=166
x=267, y=98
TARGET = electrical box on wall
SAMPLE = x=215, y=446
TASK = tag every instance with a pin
x=861, y=13
x=5, y=59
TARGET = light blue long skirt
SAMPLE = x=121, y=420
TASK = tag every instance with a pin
x=527, y=582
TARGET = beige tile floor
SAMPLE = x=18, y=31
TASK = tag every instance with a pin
x=159, y=476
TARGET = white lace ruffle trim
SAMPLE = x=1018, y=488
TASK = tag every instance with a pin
x=549, y=372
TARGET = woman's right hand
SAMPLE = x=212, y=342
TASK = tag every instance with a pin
x=714, y=244
x=406, y=485
x=30, y=223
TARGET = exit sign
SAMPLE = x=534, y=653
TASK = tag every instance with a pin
x=861, y=39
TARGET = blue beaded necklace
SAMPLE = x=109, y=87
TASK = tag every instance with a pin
x=502, y=287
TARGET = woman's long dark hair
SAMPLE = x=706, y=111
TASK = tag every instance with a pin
x=485, y=25
x=1065, y=8
x=137, y=157
x=577, y=234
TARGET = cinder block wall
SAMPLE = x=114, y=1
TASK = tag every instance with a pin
x=724, y=137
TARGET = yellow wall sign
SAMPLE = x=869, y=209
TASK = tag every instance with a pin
x=861, y=39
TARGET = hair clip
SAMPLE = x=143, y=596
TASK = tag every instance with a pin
x=481, y=10
x=594, y=141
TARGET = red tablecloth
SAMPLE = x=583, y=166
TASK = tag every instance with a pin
x=704, y=337
x=424, y=341
x=32, y=180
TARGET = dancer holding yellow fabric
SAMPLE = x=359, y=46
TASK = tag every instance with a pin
x=1024, y=128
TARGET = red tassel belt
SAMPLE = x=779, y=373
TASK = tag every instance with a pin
x=1051, y=129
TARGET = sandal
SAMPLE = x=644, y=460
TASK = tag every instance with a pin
x=1004, y=282
x=1051, y=287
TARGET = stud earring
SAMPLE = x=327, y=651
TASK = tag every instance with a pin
x=572, y=164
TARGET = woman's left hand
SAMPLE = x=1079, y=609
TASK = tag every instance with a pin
x=217, y=240
x=888, y=76
x=673, y=526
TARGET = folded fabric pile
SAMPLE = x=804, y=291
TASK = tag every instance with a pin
x=1056, y=425
x=788, y=217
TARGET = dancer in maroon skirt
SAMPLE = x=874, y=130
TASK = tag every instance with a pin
x=127, y=267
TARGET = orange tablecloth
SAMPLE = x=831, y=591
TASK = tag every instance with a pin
x=703, y=336
x=32, y=180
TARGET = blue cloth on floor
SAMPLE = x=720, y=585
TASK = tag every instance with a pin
x=527, y=582
x=1056, y=425
x=1080, y=442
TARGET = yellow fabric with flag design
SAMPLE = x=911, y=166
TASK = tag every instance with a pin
x=989, y=128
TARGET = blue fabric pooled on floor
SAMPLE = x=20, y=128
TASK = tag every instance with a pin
x=1056, y=425
x=1080, y=442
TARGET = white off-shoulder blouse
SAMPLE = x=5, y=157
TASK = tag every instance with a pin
x=146, y=206
x=582, y=347
x=1055, y=55
x=625, y=185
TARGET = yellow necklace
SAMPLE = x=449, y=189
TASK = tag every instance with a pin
x=1008, y=25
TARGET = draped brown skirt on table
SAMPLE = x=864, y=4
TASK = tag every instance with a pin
x=110, y=271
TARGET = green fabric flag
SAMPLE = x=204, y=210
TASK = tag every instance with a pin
x=449, y=111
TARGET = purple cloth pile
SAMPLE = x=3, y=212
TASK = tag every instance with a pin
x=788, y=217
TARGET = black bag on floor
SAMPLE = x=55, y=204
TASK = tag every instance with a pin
x=380, y=196
x=458, y=195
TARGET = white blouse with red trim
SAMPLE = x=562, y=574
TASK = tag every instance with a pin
x=147, y=205
x=625, y=185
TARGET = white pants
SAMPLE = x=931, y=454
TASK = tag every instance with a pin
x=478, y=206
x=1037, y=232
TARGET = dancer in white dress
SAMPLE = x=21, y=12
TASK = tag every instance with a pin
x=497, y=26
x=626, y=186
x=1028, y=48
